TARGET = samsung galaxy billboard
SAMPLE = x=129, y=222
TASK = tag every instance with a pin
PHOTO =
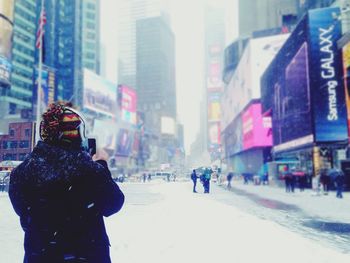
x=302, y=88
x=326, y=75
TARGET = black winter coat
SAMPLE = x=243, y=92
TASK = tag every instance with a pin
x=61, y=196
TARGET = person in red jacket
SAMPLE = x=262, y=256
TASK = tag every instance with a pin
x=61, y=195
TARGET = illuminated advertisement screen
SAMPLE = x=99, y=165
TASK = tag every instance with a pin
x=100, y=95
x=292, y=116
x=214, y=133
x=124, y=142
x=127, y=101
x=328, y=95
x=214, y=107
x=167, y=125
x=302, y=88
x=6, y=30
x=233, y=137
x=346, y=67
x=256, y=129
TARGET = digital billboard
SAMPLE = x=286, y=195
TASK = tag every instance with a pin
x=256, y=129
x=326, y=75
x=292, y=116
x=127, y=102
x=167, y=125
x=214, y=108
x=214, y=133
x=100, y=95
x=233, y=137
x=302, y=88
x=346, y=68
x=124, y=142
x=244, y=85
x=6, y=31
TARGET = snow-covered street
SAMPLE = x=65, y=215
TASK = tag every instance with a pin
x=166, y=222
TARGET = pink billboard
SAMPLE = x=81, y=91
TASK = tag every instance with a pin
x=127, y=101
x=256, y=128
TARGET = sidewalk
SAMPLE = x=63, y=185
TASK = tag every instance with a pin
x=324, y=206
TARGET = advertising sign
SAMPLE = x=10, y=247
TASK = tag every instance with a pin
x=328, y=88
x=256, y=129
x=167, y=125
x=6, y=31
x=245, y=83
x=127, y=101
x=214, y=107
x=214, y=133
x=233, y=137
x=292, y=116
x=5, y=70
x=100, y=95
x=124, y=142
x=346, y=67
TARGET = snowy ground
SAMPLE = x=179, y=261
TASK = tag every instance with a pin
x=165, y=222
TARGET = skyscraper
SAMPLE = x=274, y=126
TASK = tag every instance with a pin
x=21, y=54
x=73, y=36
x=267, y=14
x=214, y=41
x=155, y=56
x=129, y=12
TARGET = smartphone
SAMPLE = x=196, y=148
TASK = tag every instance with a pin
x=92, y=146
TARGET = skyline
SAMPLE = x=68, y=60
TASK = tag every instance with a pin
x=187, y=23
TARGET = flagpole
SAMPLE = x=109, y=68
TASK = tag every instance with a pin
x=38, y=93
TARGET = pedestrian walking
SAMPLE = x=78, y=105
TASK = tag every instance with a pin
x=339, y=180
x=229, y=179
x=144, y=177
x=61, y=194
x=194, y=180
x=287, y=180
x=207, y=177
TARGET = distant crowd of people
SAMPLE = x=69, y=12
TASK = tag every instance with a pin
x=325, y=180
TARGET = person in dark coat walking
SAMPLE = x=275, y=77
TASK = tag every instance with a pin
x=339, y=180
x=229, y=179
x=194, y=180
x=61, y=195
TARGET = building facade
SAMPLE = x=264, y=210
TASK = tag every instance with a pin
x=19, y=141
x=214, y=44
x=129, y=12
x=21, y=54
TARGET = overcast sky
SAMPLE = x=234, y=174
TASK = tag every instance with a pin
x=188, y=26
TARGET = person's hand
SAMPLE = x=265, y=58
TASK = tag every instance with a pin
x=100, y=155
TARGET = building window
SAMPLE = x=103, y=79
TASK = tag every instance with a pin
x=13, y=144
x=12, y=132
x=24, y=144
x=5, y=145
x=90, y=15
x=91, y=6
x=27, y=132
x=9, y=157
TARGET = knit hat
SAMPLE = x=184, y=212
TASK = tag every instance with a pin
x=61, y=124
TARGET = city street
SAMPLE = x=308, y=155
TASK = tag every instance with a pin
x=166, y=222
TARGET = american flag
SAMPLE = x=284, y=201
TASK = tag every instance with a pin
x=41, y=30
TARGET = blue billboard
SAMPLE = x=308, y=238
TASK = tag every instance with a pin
x=330, y=116
x=302, y=89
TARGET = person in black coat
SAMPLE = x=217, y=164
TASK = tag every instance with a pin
x=194, y=180
x=61, y=195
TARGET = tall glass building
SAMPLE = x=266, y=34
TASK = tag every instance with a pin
x=19, y=95
x=129, y=11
